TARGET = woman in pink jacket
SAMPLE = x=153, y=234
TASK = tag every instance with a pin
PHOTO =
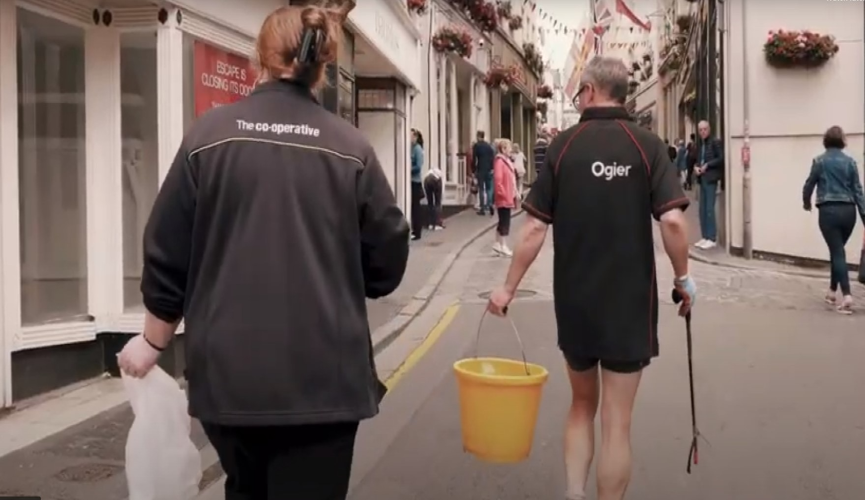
x=504, y=194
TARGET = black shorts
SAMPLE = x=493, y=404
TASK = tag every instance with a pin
x=312, y=462
x=579, y=364
x=504, y=225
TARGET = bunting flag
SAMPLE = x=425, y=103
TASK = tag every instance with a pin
x=606, y=13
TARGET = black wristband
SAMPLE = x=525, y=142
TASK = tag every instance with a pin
x=151, y=344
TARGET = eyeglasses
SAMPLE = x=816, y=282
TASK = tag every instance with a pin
x=576, y=98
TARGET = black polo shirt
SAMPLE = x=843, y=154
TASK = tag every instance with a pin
x=601, y=183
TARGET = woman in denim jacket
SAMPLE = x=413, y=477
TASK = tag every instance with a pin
x=839, y=196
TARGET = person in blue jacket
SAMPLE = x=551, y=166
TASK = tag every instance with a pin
x=839, y=197
x=416, y=183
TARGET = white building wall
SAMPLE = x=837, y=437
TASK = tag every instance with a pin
x=789, y=111
x=245, y=16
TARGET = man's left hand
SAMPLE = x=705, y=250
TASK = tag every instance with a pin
x=138, y=357
x=499, y=301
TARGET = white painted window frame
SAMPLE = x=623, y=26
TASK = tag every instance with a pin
x=103, y=145
x=170, y=74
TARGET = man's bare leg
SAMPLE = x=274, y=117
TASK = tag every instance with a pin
x=617, y=404
x=580, y=430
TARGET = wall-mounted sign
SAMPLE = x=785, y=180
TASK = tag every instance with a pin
x=220, y=77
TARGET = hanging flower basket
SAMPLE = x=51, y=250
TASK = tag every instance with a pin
x=501, y=76
x=419, y=7
x=451, y=40
x=799, y=49
x=504, y=9
x=533, y=57
x=635, y=66
x=542, y=109
x=515, y=23
x=545, y=92
x=683, y=22
x=484, y=14
x=647, y=57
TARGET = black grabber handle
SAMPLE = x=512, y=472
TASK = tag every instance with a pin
x=693, y=452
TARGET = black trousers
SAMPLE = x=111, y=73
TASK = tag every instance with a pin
x=433, y=189
x=309, y=462
x=504, y=225
x=416, y=215
x=837, y=221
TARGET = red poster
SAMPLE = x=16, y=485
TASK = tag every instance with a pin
x=220, y=77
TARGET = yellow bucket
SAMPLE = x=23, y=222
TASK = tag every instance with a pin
x=499, y=402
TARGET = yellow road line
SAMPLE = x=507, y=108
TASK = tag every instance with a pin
x=420, y=351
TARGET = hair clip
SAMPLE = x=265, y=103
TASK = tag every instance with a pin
x=310, y=46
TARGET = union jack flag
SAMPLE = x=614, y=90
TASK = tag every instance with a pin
x=603, y=16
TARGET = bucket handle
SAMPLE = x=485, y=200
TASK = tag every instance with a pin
x=516, y=334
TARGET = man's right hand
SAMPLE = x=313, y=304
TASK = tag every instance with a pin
x=686, y=289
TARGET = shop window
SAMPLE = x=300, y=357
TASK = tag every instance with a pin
x=376, y=98
x=213, y=77
x=346, y=99
x=346, y=52
x=329, y=94
x=51, y=146
x=382, y=119
x=140, y=166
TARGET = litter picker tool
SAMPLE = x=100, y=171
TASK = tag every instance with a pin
x=693, y=454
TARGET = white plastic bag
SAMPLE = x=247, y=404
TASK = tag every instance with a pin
x=162, y=462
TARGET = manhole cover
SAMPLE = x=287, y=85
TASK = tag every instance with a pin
x=521, y=294
x=88, y=473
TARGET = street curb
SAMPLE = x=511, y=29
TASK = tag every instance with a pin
x=387, y=333
x=693, y=255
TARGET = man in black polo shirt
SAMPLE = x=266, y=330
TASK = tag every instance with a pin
x=601, y=184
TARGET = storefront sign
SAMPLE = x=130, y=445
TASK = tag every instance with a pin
x=220, y=77
x=386, y=26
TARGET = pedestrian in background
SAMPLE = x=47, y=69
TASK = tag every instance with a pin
x=710, y=170
x=602, y=219
x=682, y=162
x=839, y=197
x=266, y=243
x=671, y=150
x=540, y=151
x=417, y=191
x=433, y=190
x=519, y=161
x=482, y=156
x=505, y=189
x=692, y=161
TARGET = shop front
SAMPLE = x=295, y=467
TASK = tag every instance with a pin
x=513, y=108
x=387, y=74
x=94, y=102
x=454, y=103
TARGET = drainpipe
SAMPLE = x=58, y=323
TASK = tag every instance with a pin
x=430, y=80
x=724, y=128
x=747, y=236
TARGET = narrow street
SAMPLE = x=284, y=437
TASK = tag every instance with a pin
x=778, y=380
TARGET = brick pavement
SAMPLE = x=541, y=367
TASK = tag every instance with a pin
x=759, y=288
x=86, y=460
x=719, y=257
x=425, y=256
